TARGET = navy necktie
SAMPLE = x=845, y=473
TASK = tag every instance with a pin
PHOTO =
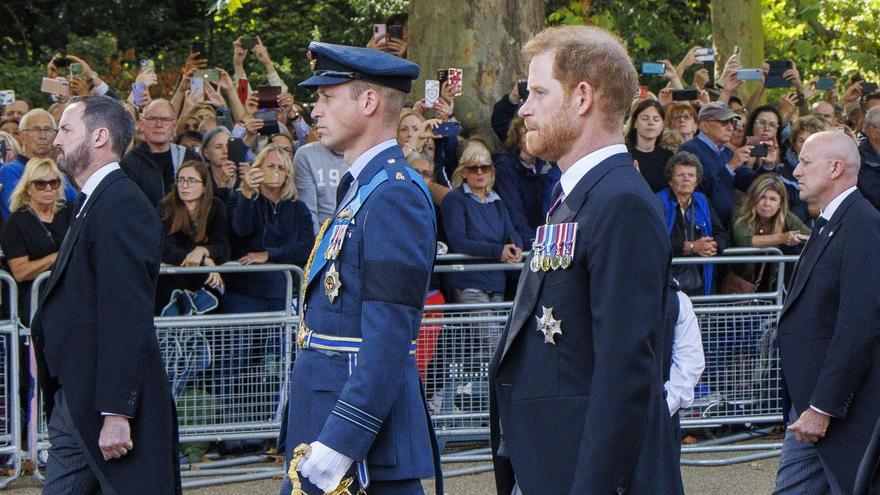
x=80, y=201
x=342, y=188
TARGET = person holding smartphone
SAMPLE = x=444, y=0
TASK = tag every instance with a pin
x=223, y=171
x=269, y=225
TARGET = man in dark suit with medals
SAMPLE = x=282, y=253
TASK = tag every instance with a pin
x=829, y=327
x=577, y=380
x=111, y=417
x=355, y=395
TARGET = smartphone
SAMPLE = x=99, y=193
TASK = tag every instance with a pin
x=224, y=117
x=209, y=75
x=653, y=68
x=775, y=77
x=442, y=76
x=868, y=88
x=448, y=129
x=242, y=90
x=199, y=47
x=643, y=92
x=522, y=88
x=248, y=43
x=378, y=31
x=137, y=92
x=268, y=96
x=236, y=150
x=432, y=92
x=684, y=94
x=7, y=97
x=759, y=149
x=749, y=74
x=3, y=151
x=54, y=86
x=395, y=31
x=270, y=122
x=454, y=82
x=825, y=83
x=147, y=65
x=76, y=70
x=270, y=175
x=197, y=86
x=705, y=55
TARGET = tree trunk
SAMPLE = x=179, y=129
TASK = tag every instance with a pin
x=738, y=23
x=481, y=37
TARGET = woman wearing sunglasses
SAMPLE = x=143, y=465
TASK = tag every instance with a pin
x=34, y=231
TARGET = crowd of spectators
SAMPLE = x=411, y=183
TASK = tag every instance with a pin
x=236, y=173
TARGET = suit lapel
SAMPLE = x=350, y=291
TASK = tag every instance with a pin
x=74, y=231
x=808, y=261
x=530, y=283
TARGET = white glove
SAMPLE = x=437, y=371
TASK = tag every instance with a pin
x=325, y=467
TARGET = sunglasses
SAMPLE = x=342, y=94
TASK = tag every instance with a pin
x=41, y=185
x=480, y=169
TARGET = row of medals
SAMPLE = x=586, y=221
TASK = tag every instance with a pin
x=549, y=262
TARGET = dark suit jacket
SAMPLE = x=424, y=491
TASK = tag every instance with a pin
x=579, y=416
x=94, y=336
x=829, y=334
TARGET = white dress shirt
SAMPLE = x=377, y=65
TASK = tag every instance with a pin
x=688, y=360
x=832, y=207
x=580, y=168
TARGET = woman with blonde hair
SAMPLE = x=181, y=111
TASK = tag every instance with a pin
x=477, y=223
x=269, y=225
x=34, y=231
x=763, y=221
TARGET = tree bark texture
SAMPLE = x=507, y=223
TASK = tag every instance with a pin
x=738, y=23
x=484, y=38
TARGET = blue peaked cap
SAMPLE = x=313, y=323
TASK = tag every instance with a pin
x=339, y=64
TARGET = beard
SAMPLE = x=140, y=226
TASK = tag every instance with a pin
x=552, y=141
x=76, y=161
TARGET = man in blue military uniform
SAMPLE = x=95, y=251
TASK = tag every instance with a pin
x=355, y=395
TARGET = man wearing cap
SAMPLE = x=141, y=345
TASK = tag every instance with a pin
x=355, y=394
x=723, y=168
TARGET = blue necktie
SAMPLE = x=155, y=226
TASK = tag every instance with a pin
x=80, y=201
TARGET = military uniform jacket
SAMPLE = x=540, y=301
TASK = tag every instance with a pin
x=94, y=336
x=829, y=334
x=369, y=405
x=587, y=415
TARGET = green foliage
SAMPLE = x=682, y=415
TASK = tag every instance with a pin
x=653, y=30
x=825, y=38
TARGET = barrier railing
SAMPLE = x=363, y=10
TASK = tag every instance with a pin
x=739, y=386
x=228, y=372
x=11, y=452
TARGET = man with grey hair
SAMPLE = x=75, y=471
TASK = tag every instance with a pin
x=38, y=129
x=152, y=164
x=869, y=149
x=829, y=327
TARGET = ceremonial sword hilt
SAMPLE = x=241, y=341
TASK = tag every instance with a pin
x=301, y=452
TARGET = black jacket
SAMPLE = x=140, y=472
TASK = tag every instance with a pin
x=587, y=415
x=829, y=334
x=94, y=336
x=143, y=170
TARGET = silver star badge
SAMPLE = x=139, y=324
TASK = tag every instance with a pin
x=549, y=326
x=332, y=283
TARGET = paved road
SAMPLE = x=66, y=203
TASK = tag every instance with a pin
x=747, y=478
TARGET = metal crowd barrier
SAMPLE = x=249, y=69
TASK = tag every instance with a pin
x=11, y=453
x=740, y=385
x=228, y=372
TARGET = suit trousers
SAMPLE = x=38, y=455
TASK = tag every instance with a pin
x=70, y=469
x=801, y=470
